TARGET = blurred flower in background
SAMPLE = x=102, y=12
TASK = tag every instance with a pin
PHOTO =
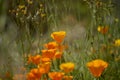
x=117, y=42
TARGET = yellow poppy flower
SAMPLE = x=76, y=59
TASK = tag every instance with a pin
x=67, y=67
x=117, y=42
x=97, y=66
x=58, y=36
x=58, y=55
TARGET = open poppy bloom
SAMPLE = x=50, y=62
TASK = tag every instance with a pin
x=49, y=53
x=56, y=75
x=31, y=76
x=44, y=60
x=58, y=36
x=67, y=67
x=34, y=59
x=97, y=66
x=51, y=45
x=34, y=74
x=44, y=67
x=117, y=42
x=58, y=55
x=102, y=29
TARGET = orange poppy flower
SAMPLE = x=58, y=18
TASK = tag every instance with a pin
x=56, y=75
x=103, y=29
x=58, y=36
x=48, y=53
x=68, y=77
x=44, y=67
x=51, y=45
x=58, y=55
x=31, y=76
x=36, y=72
x=44, y=59
x=34, y=59
x=67, y=67
x=97, y=66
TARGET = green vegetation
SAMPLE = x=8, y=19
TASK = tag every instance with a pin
x=90, y=32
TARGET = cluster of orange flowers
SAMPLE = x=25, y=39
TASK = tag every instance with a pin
x=53, y=50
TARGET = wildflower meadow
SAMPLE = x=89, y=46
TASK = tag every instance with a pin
x=59, y=40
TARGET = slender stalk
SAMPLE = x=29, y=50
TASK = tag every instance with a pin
x=96, y=78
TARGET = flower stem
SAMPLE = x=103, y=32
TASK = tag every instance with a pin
x=96, y=78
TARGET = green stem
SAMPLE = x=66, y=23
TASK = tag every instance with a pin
x=96, y=78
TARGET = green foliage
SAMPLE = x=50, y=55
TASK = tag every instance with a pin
x=33, y=20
